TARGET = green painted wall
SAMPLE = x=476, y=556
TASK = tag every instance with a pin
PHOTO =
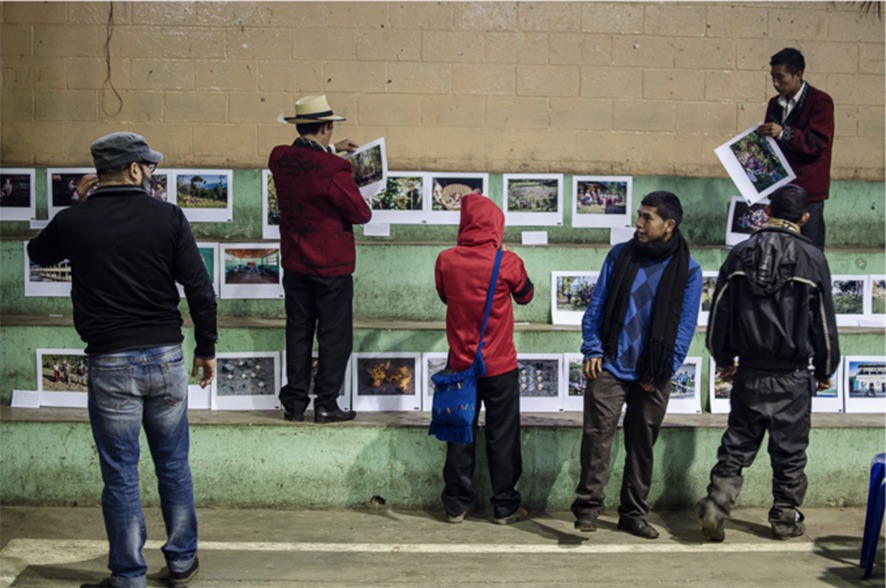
x=855, y=214
x=307, y=466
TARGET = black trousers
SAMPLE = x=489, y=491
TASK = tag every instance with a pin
x=644, y=414
x=325, y=305
x=814, y=229
x=501, y=397
x=779, y=403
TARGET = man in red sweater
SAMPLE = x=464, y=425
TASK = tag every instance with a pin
x=319, y=204
x=462, y=276
x=801, y=119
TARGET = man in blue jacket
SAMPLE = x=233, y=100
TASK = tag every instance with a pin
x=636, y=330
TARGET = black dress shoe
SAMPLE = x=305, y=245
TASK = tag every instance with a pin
x=294, y=416
x=183, y=578
x=336, y=415
x=104, y=583
x=637, y=527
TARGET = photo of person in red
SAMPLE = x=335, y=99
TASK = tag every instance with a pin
x=462, y=277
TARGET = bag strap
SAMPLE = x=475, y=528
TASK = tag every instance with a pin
x=489, y=294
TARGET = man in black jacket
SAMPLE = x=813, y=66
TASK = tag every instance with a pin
x=127, y=250
x=773, y=314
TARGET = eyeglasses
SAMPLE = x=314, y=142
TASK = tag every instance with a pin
x=151, y=166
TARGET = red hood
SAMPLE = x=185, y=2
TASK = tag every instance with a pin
x=482, y=222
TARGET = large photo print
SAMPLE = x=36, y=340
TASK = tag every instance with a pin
x=755, y=164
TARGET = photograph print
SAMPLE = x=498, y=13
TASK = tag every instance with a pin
x=685, y=395
x=246, y=381
x=160, y=187
x=878, y=294
x=61, y=187
x=443, y=206
x=270, y=209
x=18, y=200
x=755, y=164
x=432, y=363
x=744, y=219
x=864, y=384
x=369, y=166
x=251, y=270
x=62, y=377
x=573, y=397
x=204, y=195
x=570, y=294
x=718, y=391
x=209, y=255
x=848, y=293
x=46, y=280
x=601, y=201
x=830, y=399
x=401, y=200
x=386, y=381
x=708, y=285
x=539, y=379
x=532, y=199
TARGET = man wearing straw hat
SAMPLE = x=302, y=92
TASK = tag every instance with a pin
x=319, y=204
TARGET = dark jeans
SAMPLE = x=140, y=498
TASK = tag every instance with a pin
x=777, y=402
x=501, y=397
x=645, y=411
x=325, y=305
x=814, y=229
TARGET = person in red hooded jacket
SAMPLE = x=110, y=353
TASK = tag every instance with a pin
x=462, y=275
x=319, y=204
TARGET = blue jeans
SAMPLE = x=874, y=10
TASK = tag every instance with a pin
x=128, y=390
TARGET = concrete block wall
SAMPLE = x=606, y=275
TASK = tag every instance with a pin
x=586, y=87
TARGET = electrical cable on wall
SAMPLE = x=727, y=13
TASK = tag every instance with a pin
x=107, y=51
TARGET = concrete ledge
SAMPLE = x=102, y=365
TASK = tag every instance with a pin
x=272, y=418
x=245, y=460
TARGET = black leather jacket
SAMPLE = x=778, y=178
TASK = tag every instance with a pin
x=773, y=308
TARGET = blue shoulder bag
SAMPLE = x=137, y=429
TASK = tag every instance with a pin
x=455, y=393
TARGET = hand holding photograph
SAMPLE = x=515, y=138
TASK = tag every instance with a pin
x=369, y=165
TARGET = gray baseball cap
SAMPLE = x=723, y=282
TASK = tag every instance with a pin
x=119, y=149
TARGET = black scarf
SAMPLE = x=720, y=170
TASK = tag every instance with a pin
x=656, y=362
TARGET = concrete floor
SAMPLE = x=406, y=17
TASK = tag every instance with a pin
x=64, y=546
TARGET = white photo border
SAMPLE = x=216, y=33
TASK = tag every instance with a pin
x=42, y=289
x=392, y=402
x=268, y=230
x=54, y=398
x=52, y=209
x=862, y=404
x=203, y=215
x=249, y=291
x=718, y=405
x=344, y=394
x=450, y=217
x=370, y=188
x=738, y=174
x=704, y=315
x=692, y=403
x=402, y=217
x=542, y=403
x=246, y=401
x=850, y=319
x=572, y=403
x=831, y=403
x=602, y=220
x=567, y=317
x=532, y=219
x=21, y=213
x=734, y=237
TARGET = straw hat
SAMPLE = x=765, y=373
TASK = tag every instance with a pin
x=312, y=109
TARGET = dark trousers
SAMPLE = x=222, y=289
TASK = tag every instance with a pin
x=325, y=305
x=777, y=402
x=501, y=397
x=814, y=229
x=645, y=411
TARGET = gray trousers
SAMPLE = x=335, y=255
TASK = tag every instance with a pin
x=645, y=411
x=779, y=403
